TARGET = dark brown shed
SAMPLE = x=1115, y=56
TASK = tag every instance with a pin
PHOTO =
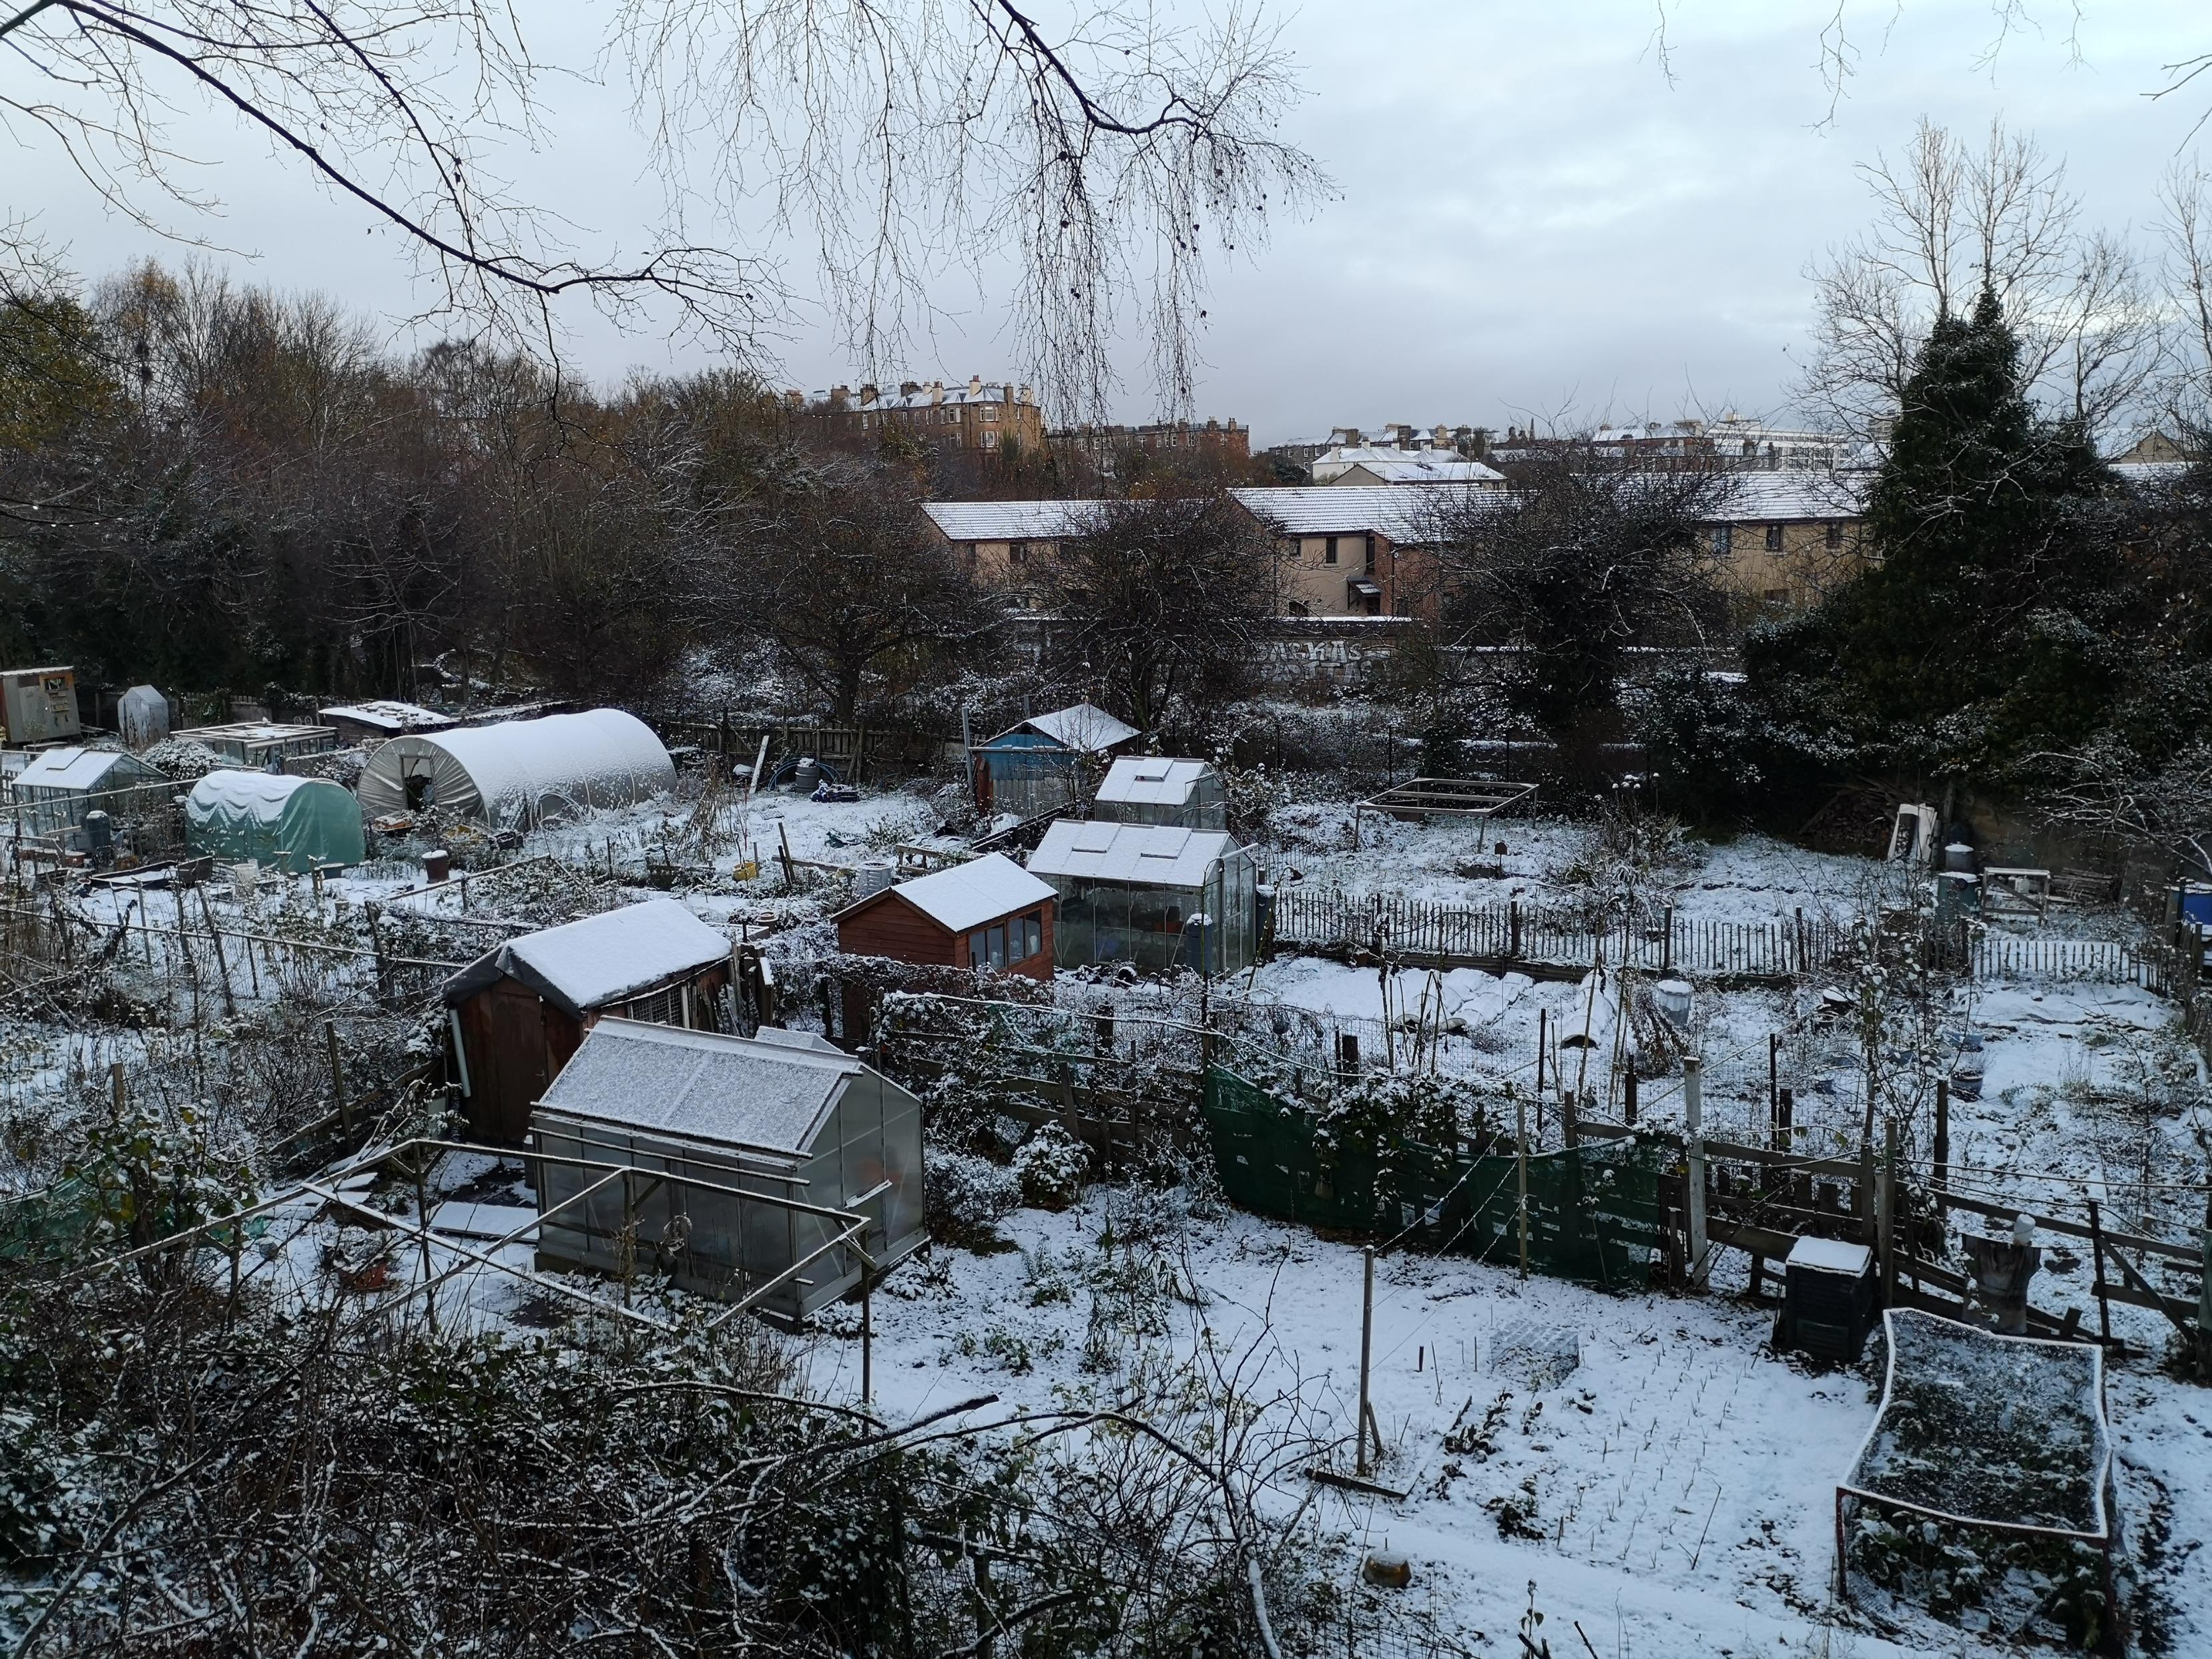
x=517, y=1014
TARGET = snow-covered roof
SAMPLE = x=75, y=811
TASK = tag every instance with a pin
x=602, y=959
x=2138, y=473
x=700, y=1085
x=1765, y=497
x=965, y=896
x=1830, y=1255
x=1150, y=781
x=1447, y=468
x=1014, y=521
x=387, y=715
x=78, y=769
x=1084, y=727
x=1142, y=855
x=1406, y=516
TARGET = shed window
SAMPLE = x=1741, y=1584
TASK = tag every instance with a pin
x=1774, y=539
x=663, y=1008
x=986, y=947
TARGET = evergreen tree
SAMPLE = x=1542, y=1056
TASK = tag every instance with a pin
x=1985, y=631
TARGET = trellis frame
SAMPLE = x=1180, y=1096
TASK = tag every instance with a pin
x=1467, y=797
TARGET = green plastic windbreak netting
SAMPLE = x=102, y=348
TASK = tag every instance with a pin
x=1593, y=1210
x=292, y=823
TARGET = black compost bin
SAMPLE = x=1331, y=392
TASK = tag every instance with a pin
x=1828, y=1301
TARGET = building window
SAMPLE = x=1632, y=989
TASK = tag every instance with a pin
x=1370, y=553
x=986, y=947
x=991, y=414
x=1328, y=551
x=1777, y=597
x=1774, y=539
x=1017, y=552
x=1724, y=540
x=990, y=441
x=1296, y=608
x=1032, y=927
x=1835, y=536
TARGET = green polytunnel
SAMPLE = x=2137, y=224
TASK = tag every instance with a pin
x=290, y=823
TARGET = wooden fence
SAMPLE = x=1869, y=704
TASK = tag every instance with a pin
x=185, y=952
x=1537, y=938
x=852, y=749
x=1320, y=917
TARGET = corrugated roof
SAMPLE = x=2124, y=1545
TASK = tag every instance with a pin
x=1142, y=855
x=1406, y=516
x=965, y=895
x=702, y=1084
x=602, y=959
x=1014, y=521
x=1149, y=780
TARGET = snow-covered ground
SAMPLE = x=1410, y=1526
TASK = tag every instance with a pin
x=1671, y=1483
x=1665, y=1482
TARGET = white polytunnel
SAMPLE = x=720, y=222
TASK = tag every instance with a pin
x=518, y=775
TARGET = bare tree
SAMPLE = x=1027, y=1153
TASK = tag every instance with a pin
x=1571, y=569
x=844, y=579
x=1950, y=219
x=906, y=140
x=1159, y=607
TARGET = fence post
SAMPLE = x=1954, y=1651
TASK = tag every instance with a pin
x=337, y=1078
x=2097, y=1247
x=1693, y=1115
x=2204, y=1305
x=1366, y=1349
x=1667, y=943
x=1885, y=1207
x=1513, y=927
x=1942, y=1143
x=1521, y=1172
x=1628, y=1096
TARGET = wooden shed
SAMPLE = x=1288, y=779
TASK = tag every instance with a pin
x=516, y=1014
x=769, y=1157
x=986, y=913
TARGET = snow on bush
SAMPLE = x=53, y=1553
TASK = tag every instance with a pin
x=968, y=1196
x=1051, y=1165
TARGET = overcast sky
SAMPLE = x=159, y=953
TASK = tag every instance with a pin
x=1534, y=217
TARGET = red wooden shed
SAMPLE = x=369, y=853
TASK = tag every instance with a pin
x=986, y=913
x=516, y=1015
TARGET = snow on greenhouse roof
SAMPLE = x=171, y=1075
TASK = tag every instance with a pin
x=387, y=715
x=965, y=895
x=77, y=770
x=1140, y=855
x=702, y=1084
x=1149, y=780
x=602, y=959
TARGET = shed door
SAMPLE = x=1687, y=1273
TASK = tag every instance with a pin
x=505, y=1030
